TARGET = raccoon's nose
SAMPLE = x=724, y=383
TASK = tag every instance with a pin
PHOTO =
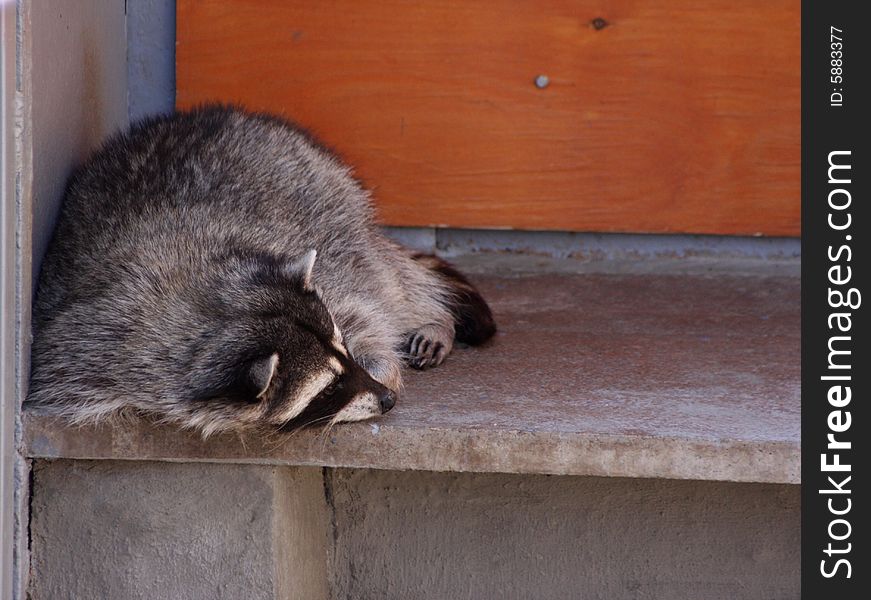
x=387, y=400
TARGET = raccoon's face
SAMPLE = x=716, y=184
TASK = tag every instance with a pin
x=280, y=361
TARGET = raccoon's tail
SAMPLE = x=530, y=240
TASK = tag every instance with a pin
x=473, y=320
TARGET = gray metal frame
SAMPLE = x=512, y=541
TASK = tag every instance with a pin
x=10, y=258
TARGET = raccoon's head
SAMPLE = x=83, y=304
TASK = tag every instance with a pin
x=273, y=355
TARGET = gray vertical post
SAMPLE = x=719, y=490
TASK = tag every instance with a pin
x=9, y=257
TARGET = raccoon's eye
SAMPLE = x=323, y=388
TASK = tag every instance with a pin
x=334, y=387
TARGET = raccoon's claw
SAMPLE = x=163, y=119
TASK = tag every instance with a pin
x=428, y=347
x=425, y=353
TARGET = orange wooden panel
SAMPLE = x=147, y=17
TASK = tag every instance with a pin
x=676, y=116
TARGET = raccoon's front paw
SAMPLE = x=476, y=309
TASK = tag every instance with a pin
x=428, y=346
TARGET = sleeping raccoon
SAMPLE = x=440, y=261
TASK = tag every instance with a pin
x=222, y=270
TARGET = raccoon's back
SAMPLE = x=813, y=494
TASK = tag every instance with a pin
x=194, y=183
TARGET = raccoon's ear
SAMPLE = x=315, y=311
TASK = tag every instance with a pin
x=302, y=267
x=260, y=373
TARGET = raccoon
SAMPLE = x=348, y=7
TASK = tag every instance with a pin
x=222, y=270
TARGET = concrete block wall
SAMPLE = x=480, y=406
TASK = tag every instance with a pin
x=424, y=535
x=132, y=529
x=125, y=530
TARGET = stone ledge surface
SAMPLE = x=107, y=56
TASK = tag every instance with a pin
x=652, y=374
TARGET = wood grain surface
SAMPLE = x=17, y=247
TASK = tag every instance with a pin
x=659, y=116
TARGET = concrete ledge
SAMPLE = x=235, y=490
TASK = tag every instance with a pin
x=610, y=374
